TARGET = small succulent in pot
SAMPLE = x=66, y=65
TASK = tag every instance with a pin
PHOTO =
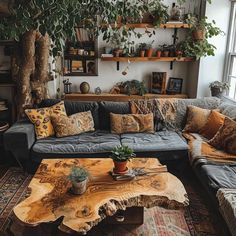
x=121, y=155
x=218, y=88
x=79, y=178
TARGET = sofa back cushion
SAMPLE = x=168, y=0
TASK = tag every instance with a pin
x=73, y=107
x=105, y=108
x=228, y=109
x=182, y=104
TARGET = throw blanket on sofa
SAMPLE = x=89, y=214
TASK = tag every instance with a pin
x=164, y=111
x=202, y=152
x=227, y=204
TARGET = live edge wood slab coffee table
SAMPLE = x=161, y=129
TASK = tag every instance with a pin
x=51, y=199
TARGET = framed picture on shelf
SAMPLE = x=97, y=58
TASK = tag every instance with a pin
x=158, y=82
x=174, y=85
x=90, y=67
x=77, y=66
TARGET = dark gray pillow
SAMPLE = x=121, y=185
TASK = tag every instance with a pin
x=73, y=107
x=105, y=108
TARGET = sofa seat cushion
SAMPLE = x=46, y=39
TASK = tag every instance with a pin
x=158, y=142
x=93, y=142
x=218, y=176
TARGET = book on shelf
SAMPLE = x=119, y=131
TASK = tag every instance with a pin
x=107, y=55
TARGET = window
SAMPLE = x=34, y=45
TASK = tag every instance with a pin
x=230, y=68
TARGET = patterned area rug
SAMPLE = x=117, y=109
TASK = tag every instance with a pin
x=198, y=219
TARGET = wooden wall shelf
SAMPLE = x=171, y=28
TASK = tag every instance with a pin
x=137, y=59
x=117, y=97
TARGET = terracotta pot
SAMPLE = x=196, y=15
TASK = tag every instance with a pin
x=142, y=53
x=118, y=52
x=198, y=34
x=120, y=166
x=158, y=53
x=79, y=187
x=149, y=52
x=84, y=87
x=165, y=53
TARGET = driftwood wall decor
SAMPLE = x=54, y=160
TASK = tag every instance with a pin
x=30, y=70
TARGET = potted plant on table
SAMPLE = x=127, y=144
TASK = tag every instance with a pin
x=79, y=178
x=218, y=88
x=121, y=155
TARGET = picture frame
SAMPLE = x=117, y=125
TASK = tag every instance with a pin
x=90, y=67
x=174, y=85
x=158, y=82
x=77, y=66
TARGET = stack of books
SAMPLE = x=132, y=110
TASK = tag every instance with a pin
x=3, y=105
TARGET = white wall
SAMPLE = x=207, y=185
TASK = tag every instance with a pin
x=211, y=68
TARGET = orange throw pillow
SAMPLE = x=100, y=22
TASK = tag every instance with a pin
x=214, y=122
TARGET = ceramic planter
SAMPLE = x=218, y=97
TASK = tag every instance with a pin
x=198, y=34
x=142, y=53
x=149, y=52
x=120, y=166
x=79, y=187
x=166, y=53
x=216, y=92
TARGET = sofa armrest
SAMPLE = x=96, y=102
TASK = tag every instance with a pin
x=19, y=138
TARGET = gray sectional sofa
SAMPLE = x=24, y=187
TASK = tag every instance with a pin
x=166, y=144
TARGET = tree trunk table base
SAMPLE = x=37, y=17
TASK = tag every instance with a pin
x=50, y=199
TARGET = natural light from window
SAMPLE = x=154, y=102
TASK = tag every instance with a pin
x=230, y=75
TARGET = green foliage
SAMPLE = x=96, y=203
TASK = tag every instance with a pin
x=159, y=12
x=78, y=174
x=198, y=49
x=134, y=86
x=122, y=153
x=209, y=28
x=220, y=85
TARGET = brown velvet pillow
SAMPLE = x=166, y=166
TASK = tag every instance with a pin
x=132, y=123
x=225, y=138
x=196, y=119
x=71, y=125
x=214, y=122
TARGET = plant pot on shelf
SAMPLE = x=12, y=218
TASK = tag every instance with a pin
x=216, y=92
x=79, y=188
x=158, y=53
x=165, y=53
x=118, y=52
x=198, y=34
x=120, y=166
x=149, y=52
x=142, y=53
x=178, y=53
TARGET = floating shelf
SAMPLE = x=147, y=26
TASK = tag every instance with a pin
x=137, y=59
x=148, y=25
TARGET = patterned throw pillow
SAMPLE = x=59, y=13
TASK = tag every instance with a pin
x=196, y=119
x=71, y=125
x=225, y=138
x=132, y=123
x=214, y=122
x=41, y=118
